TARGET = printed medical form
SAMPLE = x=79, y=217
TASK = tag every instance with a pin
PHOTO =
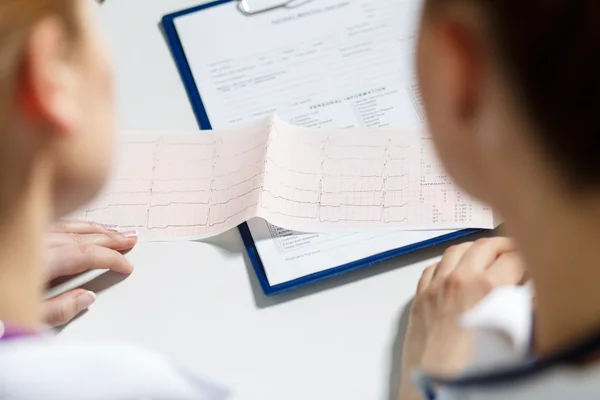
x=350, y=64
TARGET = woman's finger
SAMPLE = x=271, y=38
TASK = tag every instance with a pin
x=508, y=269
x=426, y=278
x=62, y=309
x=481, y=255
x=450, y=260
x=117, y=241
x=77, y=258
x=81, y=227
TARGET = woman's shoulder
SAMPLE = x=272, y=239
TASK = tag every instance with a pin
x=502, y=368
x=36, y=368
x=559, y=383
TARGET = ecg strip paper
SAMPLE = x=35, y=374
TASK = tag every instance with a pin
x=350, y=180
x=310, y=180
x=184, y=185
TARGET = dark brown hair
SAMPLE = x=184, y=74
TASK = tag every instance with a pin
x=550, y=50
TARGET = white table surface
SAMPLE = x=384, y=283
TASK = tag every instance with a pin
x=200, y=302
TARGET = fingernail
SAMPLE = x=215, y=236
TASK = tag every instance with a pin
x=129, y=234
x=85, y=300
x=112, y=228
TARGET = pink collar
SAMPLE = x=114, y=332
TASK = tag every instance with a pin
x=12, y=332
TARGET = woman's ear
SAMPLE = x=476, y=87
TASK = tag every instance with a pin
x=466, y=66
x=460, y=43
x=47, y=82
x=453, y=85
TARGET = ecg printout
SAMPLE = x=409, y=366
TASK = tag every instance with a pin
x=319, y=180
x=184, y=185
x=296, y=178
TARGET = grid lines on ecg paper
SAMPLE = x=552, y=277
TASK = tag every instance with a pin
x=173, y=185
x=191, y=185
x=326, y=193
x=405, y=185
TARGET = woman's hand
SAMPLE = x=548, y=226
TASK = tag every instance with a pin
x=465, y=275
x=73, y=247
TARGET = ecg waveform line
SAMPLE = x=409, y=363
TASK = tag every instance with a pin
x=194, y=225
x=173, y=203
x=330, y=219
x=375, y=190
x=326, y=178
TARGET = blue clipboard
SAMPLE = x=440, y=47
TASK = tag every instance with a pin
x=168, y=24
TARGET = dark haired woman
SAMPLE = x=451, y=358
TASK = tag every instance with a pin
x=512, y=93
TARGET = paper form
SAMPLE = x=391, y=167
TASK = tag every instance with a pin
x=350, y=65
x=328, y=63
x=310, y=180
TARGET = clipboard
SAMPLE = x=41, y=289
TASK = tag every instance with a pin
x=178, y=53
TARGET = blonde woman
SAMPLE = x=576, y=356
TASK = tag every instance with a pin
x=57, y=134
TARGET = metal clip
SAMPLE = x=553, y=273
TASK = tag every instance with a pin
x=246, y=10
